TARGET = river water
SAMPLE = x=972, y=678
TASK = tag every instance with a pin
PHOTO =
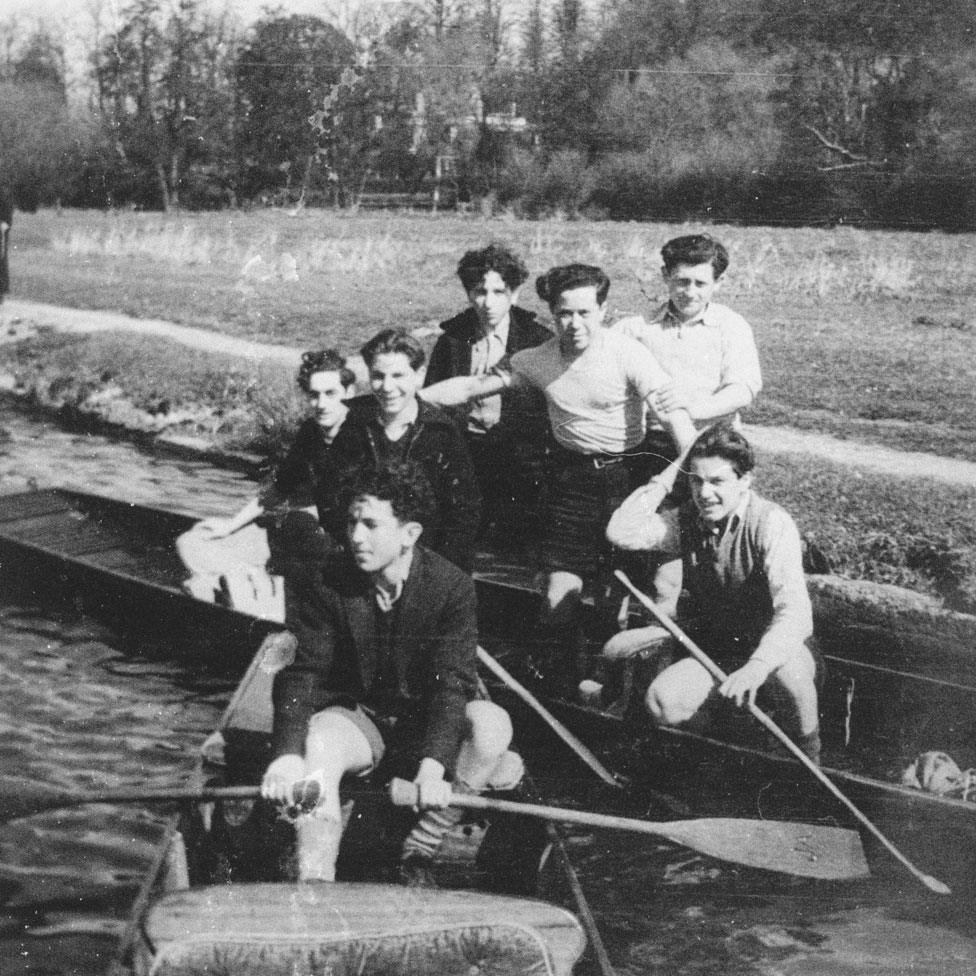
x=79, y=711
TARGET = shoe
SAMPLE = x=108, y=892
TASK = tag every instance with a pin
x=416, y=871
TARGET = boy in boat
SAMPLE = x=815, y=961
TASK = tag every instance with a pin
x=707, y=349
x=391, y=424
x=742, y=568
x=385, y=670
x=231, y=554
x=505, y=433
x=598, y=385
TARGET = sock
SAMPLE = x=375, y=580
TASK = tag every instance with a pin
x=318, y=847
x=428, y=833
x=809, y=742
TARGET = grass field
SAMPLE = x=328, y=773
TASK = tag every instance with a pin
x=862, y=334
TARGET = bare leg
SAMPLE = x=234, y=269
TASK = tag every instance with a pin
x=334, y=747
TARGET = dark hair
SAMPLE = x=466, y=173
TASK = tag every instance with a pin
x=695, y=249
x=725, y=442
x=566, y=277
x=394, y=341
x=404, y=485
x=324, y=361
x=475, y=265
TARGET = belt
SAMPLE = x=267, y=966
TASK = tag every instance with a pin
x=598, y=461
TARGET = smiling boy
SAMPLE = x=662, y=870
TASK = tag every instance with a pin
x=707, y=349
x=742, y=568
x=505, y=433
x=385, y=671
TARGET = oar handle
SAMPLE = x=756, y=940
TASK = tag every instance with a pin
x=403, y=793
x=933, y=884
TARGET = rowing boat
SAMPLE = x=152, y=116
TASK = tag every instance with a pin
x=901, y=676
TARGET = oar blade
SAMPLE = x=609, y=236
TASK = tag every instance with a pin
x=805, y=850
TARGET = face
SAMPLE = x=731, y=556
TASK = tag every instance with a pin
x=716, y=488
x=394, y=382
x=578, y=315
x=377, y=538
x=492, y=299
x=690, y=288
x=326, y=395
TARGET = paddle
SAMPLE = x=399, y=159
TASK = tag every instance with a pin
x=807, y=850
x=933, y=884
x=571, y=740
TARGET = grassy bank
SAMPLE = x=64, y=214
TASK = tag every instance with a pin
x=862, y=335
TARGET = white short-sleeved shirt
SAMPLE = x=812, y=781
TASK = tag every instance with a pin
x=596, y=401
x=714, y=350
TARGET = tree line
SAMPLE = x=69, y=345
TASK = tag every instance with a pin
x=765, y=111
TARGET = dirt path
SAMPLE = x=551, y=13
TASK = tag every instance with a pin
x=22, y=318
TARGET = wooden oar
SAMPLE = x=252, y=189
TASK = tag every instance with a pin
x=807, y=850
x=933, y=884
x=571, y=740
x=24, y=798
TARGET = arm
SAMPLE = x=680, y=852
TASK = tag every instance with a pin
x=792, y=620
x=220, y=528
x=464, y=389
x=451, y=676
x=723, y=402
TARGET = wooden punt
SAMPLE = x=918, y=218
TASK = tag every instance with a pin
x=901, y=678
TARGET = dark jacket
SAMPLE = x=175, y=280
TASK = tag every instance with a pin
x=523, y=410
x=435, y=443
x=313, y=473
x=434, y=647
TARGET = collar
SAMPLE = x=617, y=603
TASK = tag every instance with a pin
x=669, y=320
x=388, y=591
x=730, y=522
x=500, y=332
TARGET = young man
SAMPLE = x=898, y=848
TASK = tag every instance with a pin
x=505, y=433
x=707, y=349
x=390, y=424
x=742, y=568
x=385, y=669
x=598, y=385
x=231, y=554
x=6, y=220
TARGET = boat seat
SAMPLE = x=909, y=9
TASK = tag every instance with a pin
x=325, y=927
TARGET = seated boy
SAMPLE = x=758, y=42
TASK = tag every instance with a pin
x=742, y=570
x=707, y=349
x=231, y=554
x=390, y=425
x=385, y=666
x=505, y=433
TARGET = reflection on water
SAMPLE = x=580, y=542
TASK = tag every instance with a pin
x=81, y=713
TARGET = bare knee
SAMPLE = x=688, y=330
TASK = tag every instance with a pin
x=491, y=728
x=563, y=594
x=667, y=708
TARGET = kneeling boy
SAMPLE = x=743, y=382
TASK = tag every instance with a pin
x=742, y=568
x=386, y=663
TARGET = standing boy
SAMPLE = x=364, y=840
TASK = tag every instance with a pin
x=742, y=568
x=598, y=385
x=385, y=666
x=505, y=433
x=707, y=349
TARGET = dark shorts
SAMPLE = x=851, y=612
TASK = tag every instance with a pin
x=582, y=492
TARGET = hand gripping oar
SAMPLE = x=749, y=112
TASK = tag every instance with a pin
x=808, y=850
x=933, y=884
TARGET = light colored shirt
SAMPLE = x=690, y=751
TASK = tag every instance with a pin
x=486, y=354
x=746, y=575
x=714, y=350
x=596, y=401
